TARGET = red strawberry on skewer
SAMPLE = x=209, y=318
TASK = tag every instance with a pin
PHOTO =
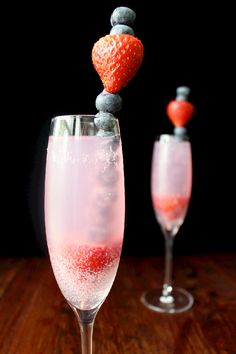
x=180, y=111
x=116, y=59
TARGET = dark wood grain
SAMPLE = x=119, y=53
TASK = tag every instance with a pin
x=35, y=318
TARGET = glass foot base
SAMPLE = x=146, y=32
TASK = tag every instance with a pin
x=179, y=301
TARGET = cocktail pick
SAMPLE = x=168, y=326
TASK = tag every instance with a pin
x=180, y=111
x=116, y=58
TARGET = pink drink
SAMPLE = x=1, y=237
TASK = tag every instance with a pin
x=171, y=209
x=84, y=212
x=171, y=181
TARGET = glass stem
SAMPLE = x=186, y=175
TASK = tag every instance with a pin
x=86, y=331
x=167, y=286
x=86, y=321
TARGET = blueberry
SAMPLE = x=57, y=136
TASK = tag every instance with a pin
x=180, y=132
x=122, y=29
x=123, y=15
x=104, y=121
x=182, y=93
x=108, y=102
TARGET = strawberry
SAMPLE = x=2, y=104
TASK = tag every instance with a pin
x=116, y=58
x=180, y=112
x=88, y=258
x=169, y=204
x=171, y=207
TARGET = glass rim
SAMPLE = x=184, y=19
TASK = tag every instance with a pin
x=166, y=138
x=76, y=116
x=82, y=125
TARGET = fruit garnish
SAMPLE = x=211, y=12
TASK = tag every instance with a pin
x=180, y=111
x=108, y=102
x=123, y=15
x=122, y=29
x=116, y=59
x=168, y=204
x=172, y=207
x=87, y=258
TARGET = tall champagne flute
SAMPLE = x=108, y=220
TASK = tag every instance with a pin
x=171, y=184
x=84, y=213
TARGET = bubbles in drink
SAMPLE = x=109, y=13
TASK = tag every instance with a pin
x=84, y=202
x=85, y=273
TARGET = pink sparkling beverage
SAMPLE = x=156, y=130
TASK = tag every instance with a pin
x=84, y=215
x=171, y=181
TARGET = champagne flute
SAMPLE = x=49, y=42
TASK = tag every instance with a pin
x=171, y=184
x=84, y=213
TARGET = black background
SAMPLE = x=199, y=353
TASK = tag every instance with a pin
x=49, y=72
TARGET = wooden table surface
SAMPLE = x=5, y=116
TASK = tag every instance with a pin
x=35, y=318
